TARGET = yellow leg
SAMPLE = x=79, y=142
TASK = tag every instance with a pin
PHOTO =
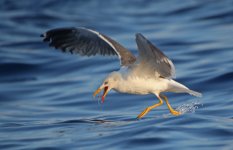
x=174, y=112
x=142, y=114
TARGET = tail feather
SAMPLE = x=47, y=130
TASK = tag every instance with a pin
x=180, y=88
x=194, y=93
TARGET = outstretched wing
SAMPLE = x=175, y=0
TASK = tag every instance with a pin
x=153, y=61
x=87, y=42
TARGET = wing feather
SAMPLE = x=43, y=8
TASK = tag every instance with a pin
x=152, y=60
x=87, y=42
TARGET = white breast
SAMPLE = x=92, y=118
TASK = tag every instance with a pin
x=134, y=85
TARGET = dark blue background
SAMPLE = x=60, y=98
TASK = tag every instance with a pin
x=46, y=96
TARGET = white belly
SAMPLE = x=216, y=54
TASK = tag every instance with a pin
x=141, y=86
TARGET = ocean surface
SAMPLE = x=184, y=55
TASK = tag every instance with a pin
x=46, y=96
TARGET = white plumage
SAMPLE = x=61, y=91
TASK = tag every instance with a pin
x=150, y=73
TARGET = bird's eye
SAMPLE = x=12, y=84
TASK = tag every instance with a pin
x=106, y=82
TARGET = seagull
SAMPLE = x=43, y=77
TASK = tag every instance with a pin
x=152, y=72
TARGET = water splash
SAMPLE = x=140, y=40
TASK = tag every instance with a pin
x=186, y=108
x=189, y=107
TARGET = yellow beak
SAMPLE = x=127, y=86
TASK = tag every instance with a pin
x=104, y=94
x=97, y=91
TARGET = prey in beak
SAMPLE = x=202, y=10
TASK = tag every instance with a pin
x=105, y=92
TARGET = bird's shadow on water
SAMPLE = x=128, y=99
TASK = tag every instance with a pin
x=119, y=120
x=99, y=121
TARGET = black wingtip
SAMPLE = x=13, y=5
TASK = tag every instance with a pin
x=139, y=35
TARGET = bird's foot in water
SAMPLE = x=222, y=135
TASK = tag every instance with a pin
x=175, y=113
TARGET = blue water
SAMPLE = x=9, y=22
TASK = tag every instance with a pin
x=46, y=96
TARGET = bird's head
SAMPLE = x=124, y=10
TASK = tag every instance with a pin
x=110, y=82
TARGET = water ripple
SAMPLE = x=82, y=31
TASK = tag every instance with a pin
x=46, y=96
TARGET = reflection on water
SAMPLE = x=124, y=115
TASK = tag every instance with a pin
x=46, y=96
